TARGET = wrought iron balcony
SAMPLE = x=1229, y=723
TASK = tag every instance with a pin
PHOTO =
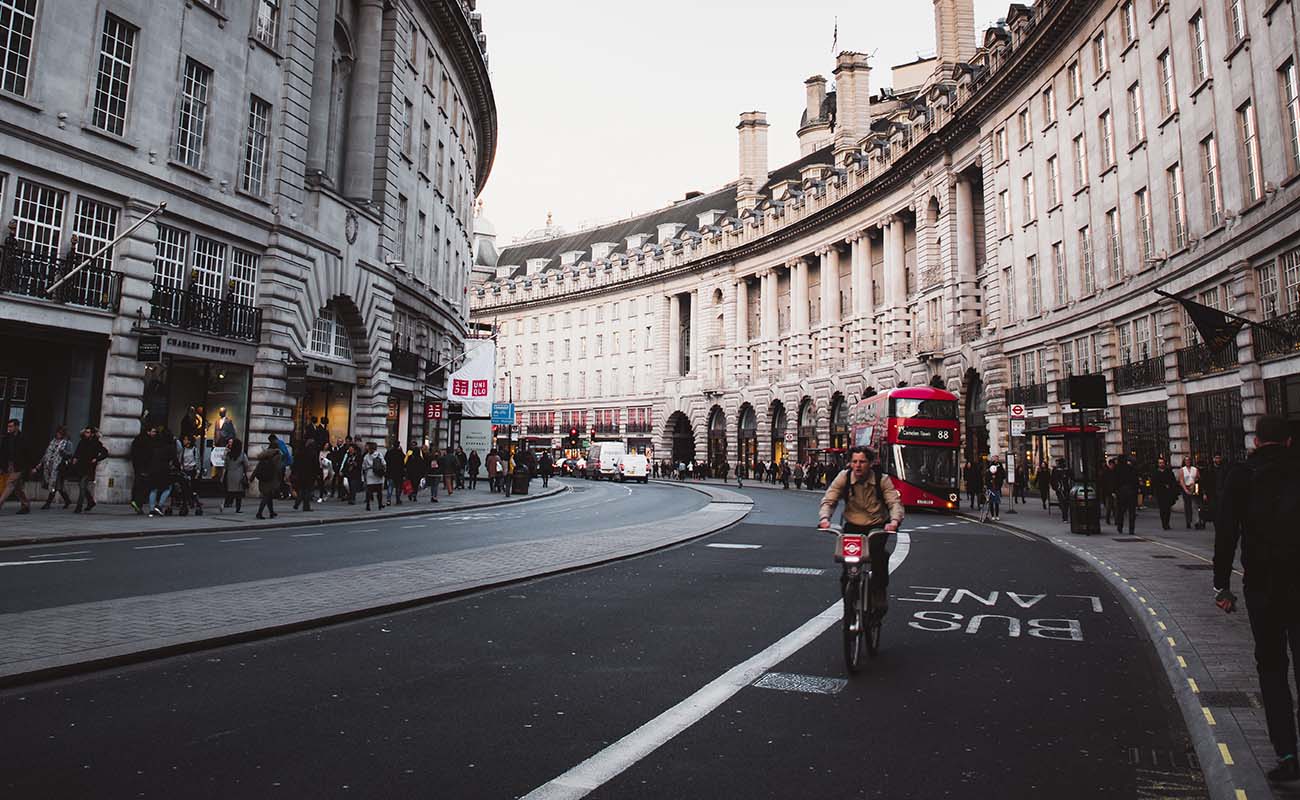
x=1145, y=374
x=404, y=362
x=1200, y=359
x=639, y=427
x=30, y=273
x=605, y=427
x=192, y=310
x=1033, y=394
x=1280, y=338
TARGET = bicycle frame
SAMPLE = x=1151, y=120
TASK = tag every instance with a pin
x=862, y=621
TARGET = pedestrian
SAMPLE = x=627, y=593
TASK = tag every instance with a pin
x=545, y=467
x=189, y=454
x=1259, y=506
x=1043, y=482
x=338, y=453
x=1125, y=485
x=139, y=455
x=472, y=465
x=305, y=471
x=493, y=471
x=1164, y=484
x=286, y=461
x=1062, y=481
x=968, y=473
x=90, y=451
x=450, y=467
x=396, y=462
x=1211, y=476
x=1020, y=486
x=1106, y=487
x=53, y=466
x=268, y=473
x=375, y=469
x=162, y=462
x=235, y=477
x=785, y=474
x=997, y=477
x=353, y=473
x=461, y=461
x=797, y=475
x=507, y=479
x=325, y=473
x=1189, y=485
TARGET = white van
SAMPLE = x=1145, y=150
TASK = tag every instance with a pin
x=634, y=467
x=602, y=459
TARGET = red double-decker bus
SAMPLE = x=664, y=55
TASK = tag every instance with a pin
x=915, y=431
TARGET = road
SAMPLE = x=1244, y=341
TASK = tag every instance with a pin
x=1009, y=670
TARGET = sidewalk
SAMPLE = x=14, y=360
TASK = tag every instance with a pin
x=119, y=521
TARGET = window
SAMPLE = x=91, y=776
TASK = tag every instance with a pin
x=1137, y=124
x=38, y=210
x=113, y=80
x=600, y=345
x=243, y=276
x=532, y=386
x=1100, y=60
x=1067, y=359
x=438, y=165
x=209, y=266
x=614, y=343
x=1236, y=20
x=567, y=350
x=169, y=257
x=421, y=263
x=1200, y=49
x=1059, y=278
x=1125, y=343
x=1274, y=299
x=1087, y=274
x=1074, y=80
x=1177, y=207
x=1026, y=135
x=1027, y=192
x=1116, y=253
x=408, y=111
x=1106, y=127
x=550, y=351
x=1128, y=23
x=1049, y=106
x=1009, y=293
x=255, y=145
x=17, y=23
x=1142, y=205
x=1080, y=162
x=430, y=67
x=1053, y=182
x=1290, y=114
x=582, y=347
x=95, y=224
x=600, y=383
x=268, y=21
x=1000, y=145
x=192, y=124
x=426, y=142
x=533, y=353
x=1251, y=166
x=1213, y=190
x=1004, y=213
x=399, y=246
x=1168, y=93
x=1035, y=286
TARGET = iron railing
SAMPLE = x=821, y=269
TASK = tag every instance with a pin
x=1145, y=374
x=404, y=362
x=639, y=427
x=192, y=310
x=1281, y=337
x=605, y=427
x=1032, y=394
x=30, y=273
x=1201, y=359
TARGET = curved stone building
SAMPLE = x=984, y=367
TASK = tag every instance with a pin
x=994, y=222
x=319, y=160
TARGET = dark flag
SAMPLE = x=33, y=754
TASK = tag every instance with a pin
x=1217, y=328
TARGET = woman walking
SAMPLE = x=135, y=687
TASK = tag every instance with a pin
x=471, y=468
x=269, y=472
x=235, y=477
x=54, y=464
x=1043, y=480
x=375, y=468
x=90, y=451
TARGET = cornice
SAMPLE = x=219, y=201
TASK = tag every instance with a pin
x=453, y=25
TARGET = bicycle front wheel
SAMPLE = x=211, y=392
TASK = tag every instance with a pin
x=855, y=620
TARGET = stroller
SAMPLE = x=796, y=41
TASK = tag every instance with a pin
x=184, y=494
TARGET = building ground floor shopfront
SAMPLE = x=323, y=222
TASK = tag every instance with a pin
x=50, y=377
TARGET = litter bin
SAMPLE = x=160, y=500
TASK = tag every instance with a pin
x=519, y=481
x=1085, y=510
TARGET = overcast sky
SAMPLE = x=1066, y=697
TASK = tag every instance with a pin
x=609, y=108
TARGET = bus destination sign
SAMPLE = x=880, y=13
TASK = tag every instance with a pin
x=908, y=433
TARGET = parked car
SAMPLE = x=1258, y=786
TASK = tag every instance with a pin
x=569, y=467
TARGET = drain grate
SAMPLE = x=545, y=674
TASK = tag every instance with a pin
x=809, y=684
x=1126, y=539
x=1196, y=566
x=1230, y=699
x=1164, y=556
x=1155, y=758
x=794, y=570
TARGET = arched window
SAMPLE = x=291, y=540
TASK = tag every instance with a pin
x=329, y=336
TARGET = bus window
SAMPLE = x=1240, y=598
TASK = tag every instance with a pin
x=909, y=408
x=934, y=467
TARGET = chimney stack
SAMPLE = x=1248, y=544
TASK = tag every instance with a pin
x=816, y=87
x=753, y=158
x=954, y=31
x=852, y=100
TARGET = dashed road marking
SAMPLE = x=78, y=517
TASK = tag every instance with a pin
x=1192, y=683
x=40, y=561
x=794, y=570
x=60, y=555
x=726, y=546
x=1227, y=756
x=411, y=527
x=809, y=684
x=158, y=546
x=304, y=535
x=244, y=539
x=1209, y=718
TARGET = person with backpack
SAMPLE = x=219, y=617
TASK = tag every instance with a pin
x=870, y=501
x=1258, y=506
x=375, y=469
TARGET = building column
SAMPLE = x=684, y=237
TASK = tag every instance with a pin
x=967, y=296
x=696, y=351
x=674, y=336
x=831, y=335
x=771, y=323
x=742, y=361
x=895, y=286
x=363, y=104
x=322, y=76
x=800, y=335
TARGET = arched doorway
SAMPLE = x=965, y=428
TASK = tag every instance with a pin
x=807, y=429
x=776, y=413
x=976, y=444
x=747, y=438
x=839, y=441
x=717, y=440
x=682, y=436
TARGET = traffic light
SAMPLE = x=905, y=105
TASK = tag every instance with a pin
x=572, y=443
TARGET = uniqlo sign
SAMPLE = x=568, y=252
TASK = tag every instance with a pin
x=460, y=388
x=433, y=410
x=480, y=389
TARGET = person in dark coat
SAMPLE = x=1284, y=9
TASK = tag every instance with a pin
x=545, y=468
x=161, y=463
x=139, y=455
x=395, y=458
x=449, y=466
x=416, y=468
x=461, y=461
x=472, y=465
x=1105, y=487
x=968, y=473
x=1211, y=474
x=1164, y=484
x=338, y=453
x=89, y=453
x=305, y=472
x=1062, y=480
x=1043, y=482
x=353, y=472
x=270, y=468
x=14, y=466
x=1125, y=484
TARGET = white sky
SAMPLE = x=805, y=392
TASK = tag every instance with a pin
x=609, y=108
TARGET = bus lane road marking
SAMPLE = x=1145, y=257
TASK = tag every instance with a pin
x=1068, y=629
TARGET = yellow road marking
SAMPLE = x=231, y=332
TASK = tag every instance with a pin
x=1227, y=757
x=1208, y=716
x=1171, y=641
x=1161, y=626
x=1241, y=794
x=1141, y=599
x=1195, y=689
x=1182, y=662
x=1151, y=611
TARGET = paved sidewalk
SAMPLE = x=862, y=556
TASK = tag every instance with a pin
x=47, y=643
x=119, y=521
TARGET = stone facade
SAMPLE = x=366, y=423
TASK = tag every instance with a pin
x=319, y=160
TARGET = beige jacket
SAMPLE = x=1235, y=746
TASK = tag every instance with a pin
x=862, y=504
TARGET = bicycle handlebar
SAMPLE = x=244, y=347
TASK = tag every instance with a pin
x=836, y=530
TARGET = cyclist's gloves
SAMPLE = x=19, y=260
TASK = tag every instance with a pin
x=1226, y=600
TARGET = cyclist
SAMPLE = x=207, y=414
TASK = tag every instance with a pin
x=870, y=501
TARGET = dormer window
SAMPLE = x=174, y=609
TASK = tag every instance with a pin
x=602, y=250
x=536, y=265
x=570, y=257
x=505, y=271
x=710, y=218
x=668, y=230
x=636, y=241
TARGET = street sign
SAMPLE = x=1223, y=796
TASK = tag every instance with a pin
x=1017, y=427
x=503, y=413
x=150, y=350
x=1017, y=411
x=433, y=411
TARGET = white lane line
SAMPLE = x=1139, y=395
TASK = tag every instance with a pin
x=245, y=539
x=365, y=530
x=614, y=759
x=45, y=561
x=303, y=535
x=60, y=555
x=409, y=527
x=157, y=546
x=724, y=546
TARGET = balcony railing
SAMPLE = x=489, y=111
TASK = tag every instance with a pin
x=192, y=310
x=1145, y=374
x=1201, y=359
x=969, y=332
x=605, y=427
x=639, y=427
x=404, y=362
x=1280, y=338
x=29, y=273
x=1033, y=394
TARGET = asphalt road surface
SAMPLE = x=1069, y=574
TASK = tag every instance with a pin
x=1008, y=670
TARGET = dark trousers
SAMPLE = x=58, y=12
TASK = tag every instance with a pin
x=1166, y=511
x=1044, y=493
x=375, y=490
x=971, y=494
x=1125, y=506
x=267, y=504
x=1189, y=508
x=1064, y=504
x=85, y=492
x=878, y=555
x=1276, y=628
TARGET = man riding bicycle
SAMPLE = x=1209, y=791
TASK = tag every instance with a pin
x=870, y=501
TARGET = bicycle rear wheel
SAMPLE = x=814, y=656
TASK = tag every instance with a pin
x=855, y=620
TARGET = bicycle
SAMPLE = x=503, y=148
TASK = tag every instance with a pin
x=863, y=614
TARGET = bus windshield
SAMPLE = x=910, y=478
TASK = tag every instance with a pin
x=934, y=467
x=909, y=408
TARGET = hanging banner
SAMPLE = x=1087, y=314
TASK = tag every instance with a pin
x=471, y=384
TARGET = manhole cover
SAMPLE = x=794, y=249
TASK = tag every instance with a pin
x=1230, y=699
x=1196, y=566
